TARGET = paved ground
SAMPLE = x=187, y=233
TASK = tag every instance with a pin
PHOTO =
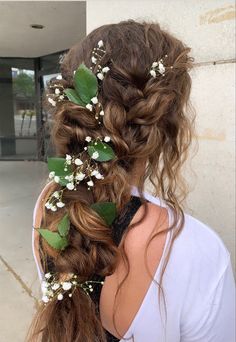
x=20, y=183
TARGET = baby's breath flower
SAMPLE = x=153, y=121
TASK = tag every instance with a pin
x=60, y=296
x=45, y=299
x=94, y=172
x=99, y=176
x=90, y=183
x=57, y=91
x=153, y=73
x=100, y=43
x=48, y=275
x=94, y=60
x=57, y=179
x=80, y=176
x=60, y=204
x=51, y=174
x=56, y=194
x=101, y=112
x=78, y=161
x=100, y=76
x=70, y=186
x=53, y=103
x=95, y=155
x=54, y=208
x=105, y=69
x=88, y=138
x=106, y=139
x=94, y=100
x=161, y=68
x=48, y=205
x=55, y=286
x=66, y=285
x=89, y=107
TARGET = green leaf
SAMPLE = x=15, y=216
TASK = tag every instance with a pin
x=104, y=150
x=64, y=225
x=53, y=238
x=74, y=97
x=57, y=165
x=107, y=211
x=86, y=84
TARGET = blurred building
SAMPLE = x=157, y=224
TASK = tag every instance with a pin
x=31, y=51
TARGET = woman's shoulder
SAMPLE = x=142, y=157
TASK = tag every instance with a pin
x=204, y=239
x=202, y=254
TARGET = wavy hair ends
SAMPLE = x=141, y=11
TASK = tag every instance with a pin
x=147, y=120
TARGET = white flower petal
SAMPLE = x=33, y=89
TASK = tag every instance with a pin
x=50, y=100
x=51, y=174
x=57, y=179
x=60, y=204
x=99, y=176
x=94, y=60
x=80, y=176
x=95, y=155
x=94, y=100
x=90, y=183
x=60, y=296
x=89, y=106
x=55, y=286
x=70, y=186
x=94, y=172
x=88, y=138
x=153, y=73
x=100, y=76
x=78, y=161
x=66, y=285
x=56, y=194
x=45, y=299
x=107, y=138
x=100, y=43
x=105, y=69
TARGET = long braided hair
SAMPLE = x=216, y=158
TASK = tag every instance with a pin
x=147, y=119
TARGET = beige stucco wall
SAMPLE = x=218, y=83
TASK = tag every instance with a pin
x=208, y=27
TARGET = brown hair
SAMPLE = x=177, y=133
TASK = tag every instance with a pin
x=147, y=119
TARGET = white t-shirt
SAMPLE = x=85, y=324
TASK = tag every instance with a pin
x=199, y=289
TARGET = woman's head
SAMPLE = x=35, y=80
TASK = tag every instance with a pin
x=150, y=132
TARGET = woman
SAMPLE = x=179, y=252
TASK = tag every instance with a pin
x=118, y=263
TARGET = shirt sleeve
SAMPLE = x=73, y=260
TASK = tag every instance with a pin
x=215, y=319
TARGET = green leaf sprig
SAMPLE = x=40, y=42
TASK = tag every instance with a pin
x=57, y=240
x=70, y=171
x=85, y=90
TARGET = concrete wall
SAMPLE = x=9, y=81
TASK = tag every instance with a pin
x=208, y=27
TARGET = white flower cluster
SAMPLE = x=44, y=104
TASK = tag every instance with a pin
x=82, y=170
x=55, y=200
x=97, y=54
x=52, y=288
x=158, y=68
x=58, y=94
